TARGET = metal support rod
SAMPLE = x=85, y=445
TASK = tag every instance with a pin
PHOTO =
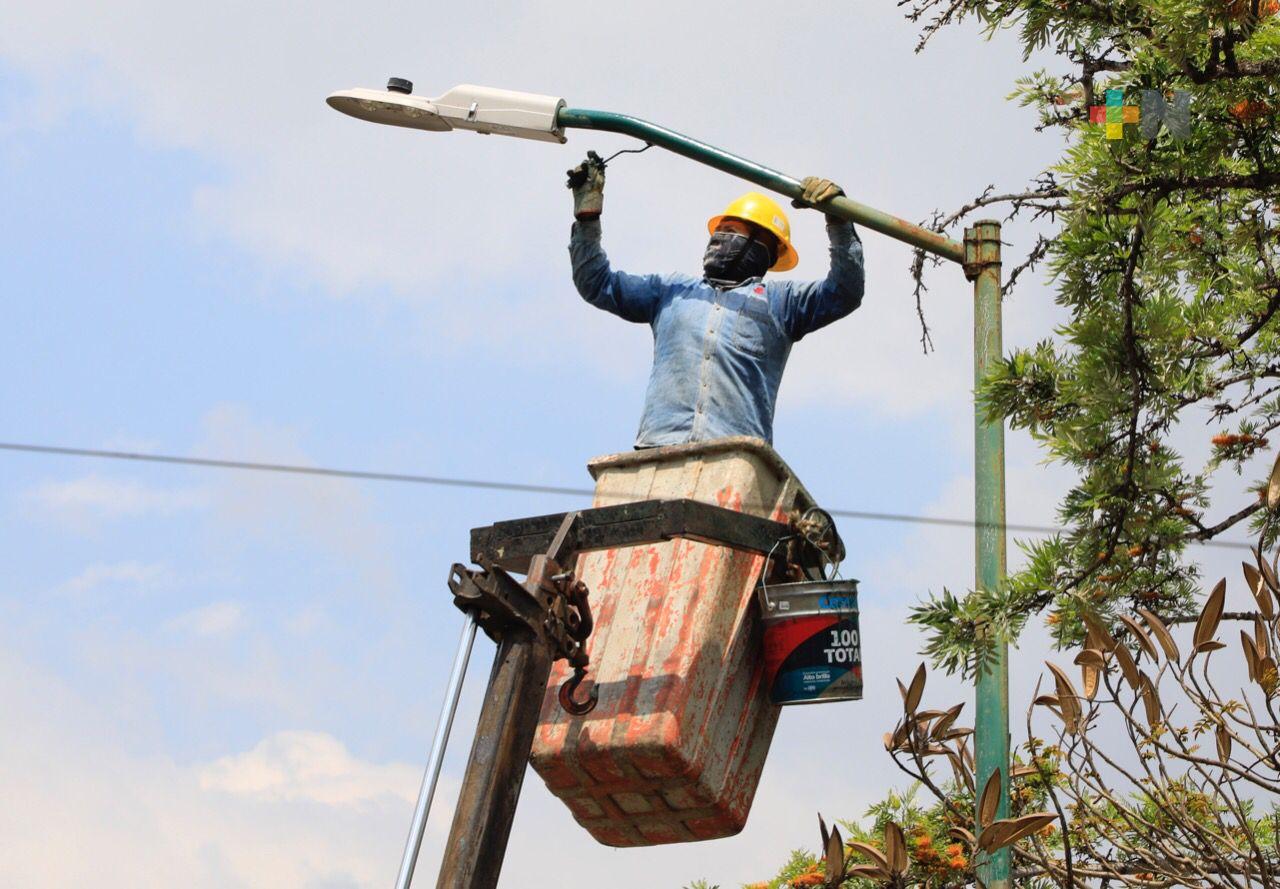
x=499, y=755
x=843, y=207
x=982, y=266
x=432, y=773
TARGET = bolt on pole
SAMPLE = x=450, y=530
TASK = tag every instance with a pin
x=982, y=266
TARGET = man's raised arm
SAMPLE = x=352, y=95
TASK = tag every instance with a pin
x=810, y=305
x=633, y=297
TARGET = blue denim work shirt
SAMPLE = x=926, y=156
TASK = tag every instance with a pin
x=718, y=355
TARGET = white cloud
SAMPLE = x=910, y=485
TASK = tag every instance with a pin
x=930, y=557
x=301, y=765
x=214, y=619
x=95, y=498
x=322, y=817
x=468, y=228
x=132, y=574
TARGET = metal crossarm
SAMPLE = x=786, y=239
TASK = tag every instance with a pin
x=512, y=544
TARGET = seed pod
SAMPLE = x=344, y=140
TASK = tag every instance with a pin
x=1257, y=586
x=1092, y=665
x=1210, y=616
x=1162, y=633
x=1029, y=824
x=1098, y=635
x=1144, y=641
x=1150, y=699
x=1273, y=485
x=963, y=775
x=911, y=696
x=900, y=735
x=835, y=854
x=867, y=872
x=1268, y=571
x=895, y=848
x=945, y=720
x=1251, y=657
x=873, y=853
x=1008, y=831
x=995, y=836
x=989, y=801
x=1127, y=666
x=1267, y=675
x=1068, y=700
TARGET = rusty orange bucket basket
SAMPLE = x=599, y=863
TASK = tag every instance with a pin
x=674, y=748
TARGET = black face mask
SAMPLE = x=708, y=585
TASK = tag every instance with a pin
x=732, y=258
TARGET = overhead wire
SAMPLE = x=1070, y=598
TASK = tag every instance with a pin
x=491, y=485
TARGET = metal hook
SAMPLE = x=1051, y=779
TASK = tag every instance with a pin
x=578, y=598
x=567, y=689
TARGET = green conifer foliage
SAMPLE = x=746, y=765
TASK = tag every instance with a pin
x=1165, y=255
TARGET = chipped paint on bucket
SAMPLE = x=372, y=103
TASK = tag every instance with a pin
x=812, y=646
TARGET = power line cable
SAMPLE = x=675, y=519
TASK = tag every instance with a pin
x=297, y=470
x=445, y=481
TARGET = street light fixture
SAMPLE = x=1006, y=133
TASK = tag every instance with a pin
x=545, y=118
x=481, y=109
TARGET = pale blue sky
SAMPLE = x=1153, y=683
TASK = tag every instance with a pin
x=231, y=679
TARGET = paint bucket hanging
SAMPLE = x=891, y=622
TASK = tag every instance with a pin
x=812, y=646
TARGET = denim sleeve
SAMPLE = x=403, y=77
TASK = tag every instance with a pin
x=809, y=305
x=633, y=297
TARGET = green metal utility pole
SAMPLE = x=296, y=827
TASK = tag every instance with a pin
x=982, y=267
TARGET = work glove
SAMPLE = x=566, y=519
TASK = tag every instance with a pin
x=587, y=182
x=815, y=191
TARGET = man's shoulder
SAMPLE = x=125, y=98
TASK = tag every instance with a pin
x=680, y=279
x=676, y=283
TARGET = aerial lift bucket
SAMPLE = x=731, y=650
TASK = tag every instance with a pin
x=674, y=748
x=678, y=541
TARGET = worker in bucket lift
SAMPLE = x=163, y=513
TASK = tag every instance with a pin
x=720, y=341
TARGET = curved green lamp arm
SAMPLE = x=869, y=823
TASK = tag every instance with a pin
x=765, y=177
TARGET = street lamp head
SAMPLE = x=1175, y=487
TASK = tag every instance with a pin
x=481, y=109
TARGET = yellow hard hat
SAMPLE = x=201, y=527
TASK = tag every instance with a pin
x=764, y=212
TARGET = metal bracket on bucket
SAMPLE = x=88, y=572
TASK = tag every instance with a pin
x=551, y=604
x=514, y=543
x=547, y=617
x=813, y=536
